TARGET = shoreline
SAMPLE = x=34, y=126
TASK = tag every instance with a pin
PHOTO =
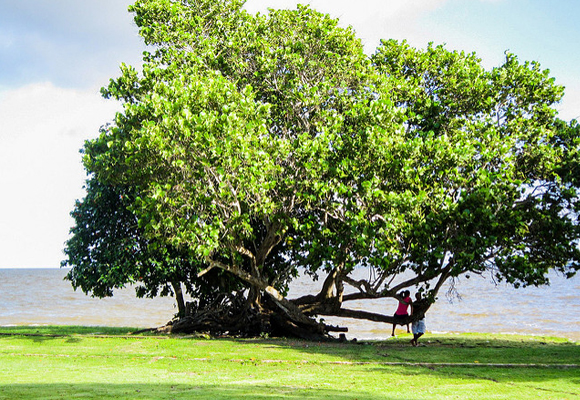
x=378, y=339
x=481, y=307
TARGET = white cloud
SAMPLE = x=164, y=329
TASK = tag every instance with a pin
x=372, y=19
x=41, y=174
x=570, y=107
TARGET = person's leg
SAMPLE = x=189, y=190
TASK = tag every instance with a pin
x=419, y=331
x=393, y=333
x=416, y=337
x=414, y=330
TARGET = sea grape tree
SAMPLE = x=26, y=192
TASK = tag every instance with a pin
x=253, y=147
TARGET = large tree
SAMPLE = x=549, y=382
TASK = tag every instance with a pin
x=252, y=147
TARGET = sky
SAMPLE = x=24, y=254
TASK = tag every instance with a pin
x=56, y=55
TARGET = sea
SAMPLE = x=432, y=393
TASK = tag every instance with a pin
x=42, y=297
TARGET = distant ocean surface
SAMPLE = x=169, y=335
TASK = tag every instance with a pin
x=42, y=297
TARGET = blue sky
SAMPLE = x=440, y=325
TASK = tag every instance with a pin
x=55, y=56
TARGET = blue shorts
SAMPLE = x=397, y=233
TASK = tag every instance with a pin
x=418, y=326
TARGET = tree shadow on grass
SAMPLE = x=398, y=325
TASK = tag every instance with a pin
x=444, y=349
x=527, y=356
x=41, y=338
x=64, y=330
x=174, y=392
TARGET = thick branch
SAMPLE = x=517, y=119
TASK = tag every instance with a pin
x=360, y=285
x=253, y=262
x=270, y=241
x=289, y=308
x=179, y=297
x=385, y=293
x=444, y=276
x=411, y=282
x=329, y=282
x=358, y=314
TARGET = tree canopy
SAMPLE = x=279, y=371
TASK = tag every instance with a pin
x=253, y=147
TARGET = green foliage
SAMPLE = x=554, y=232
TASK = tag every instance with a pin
x=485, y=165
x=259, y=145
x=108, y=250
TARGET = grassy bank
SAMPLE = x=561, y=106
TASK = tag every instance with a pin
x=109, y=363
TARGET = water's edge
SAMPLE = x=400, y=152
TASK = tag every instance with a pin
x=42, y=297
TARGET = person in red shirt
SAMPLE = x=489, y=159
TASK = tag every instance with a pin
x=402, y=310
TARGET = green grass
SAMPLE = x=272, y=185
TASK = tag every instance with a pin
x=109, y=363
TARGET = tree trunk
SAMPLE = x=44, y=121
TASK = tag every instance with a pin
x=291, y=311
x=179, y=298
x=263, y=309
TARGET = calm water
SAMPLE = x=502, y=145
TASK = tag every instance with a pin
x=41, y=296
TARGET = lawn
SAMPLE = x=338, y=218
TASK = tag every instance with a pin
x=110, y=363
